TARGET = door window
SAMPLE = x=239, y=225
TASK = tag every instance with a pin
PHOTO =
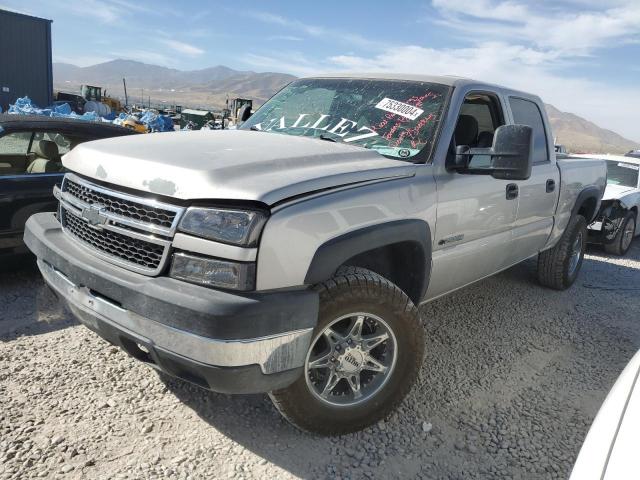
x=526, y=112
x=480, y=116
x=15, y=143
x=14, y=149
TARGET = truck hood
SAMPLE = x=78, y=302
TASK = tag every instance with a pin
x=230, y=164
x=613, y=192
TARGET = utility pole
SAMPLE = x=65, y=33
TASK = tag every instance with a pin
x=126, y=99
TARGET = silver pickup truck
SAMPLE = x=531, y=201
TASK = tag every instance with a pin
x=290, y=256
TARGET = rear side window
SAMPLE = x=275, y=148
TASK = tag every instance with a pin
x=526, y=112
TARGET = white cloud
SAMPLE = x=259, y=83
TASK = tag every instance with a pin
x=290, y=62
x=286, y=38
x=115, y=13
x=102, y=11
x=81, y=60
x=182, y=47
x=145, y=56
x=16, y=10
x=316, y=31
x=559, y=29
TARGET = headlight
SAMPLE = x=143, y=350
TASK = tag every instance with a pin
x=237, y=227
x=212, y=272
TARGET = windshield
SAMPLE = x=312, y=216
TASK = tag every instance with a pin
x=621, y=173
x=398, y=119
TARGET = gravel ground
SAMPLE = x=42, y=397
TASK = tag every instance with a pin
x=512, y=379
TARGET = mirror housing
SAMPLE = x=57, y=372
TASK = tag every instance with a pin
x=511, y=154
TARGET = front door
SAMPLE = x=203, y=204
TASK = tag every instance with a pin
x=476, y=213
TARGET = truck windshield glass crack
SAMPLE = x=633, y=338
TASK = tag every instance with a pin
x=395, y=118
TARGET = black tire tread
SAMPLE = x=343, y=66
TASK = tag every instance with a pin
x=615, y=247
x=378, y=287
x=552, y=262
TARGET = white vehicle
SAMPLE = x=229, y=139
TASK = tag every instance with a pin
x=615, y=225
x=610, y=450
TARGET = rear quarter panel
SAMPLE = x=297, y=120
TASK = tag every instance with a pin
x=575, y=176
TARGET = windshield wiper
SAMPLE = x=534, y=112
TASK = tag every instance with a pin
x=328, y=139
x=253, y=128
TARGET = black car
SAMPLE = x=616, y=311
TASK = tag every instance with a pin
x=31, y=148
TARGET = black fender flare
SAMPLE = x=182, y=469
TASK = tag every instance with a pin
x=335, y=252
x=583, y=196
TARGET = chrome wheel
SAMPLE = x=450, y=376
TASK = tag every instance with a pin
x=351, y=359
x=576, y=252
x=628, y=233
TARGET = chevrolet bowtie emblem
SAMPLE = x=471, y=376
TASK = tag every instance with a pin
x=93, y=215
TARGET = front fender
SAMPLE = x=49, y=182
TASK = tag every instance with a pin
x=414, y=233
x=342, y=224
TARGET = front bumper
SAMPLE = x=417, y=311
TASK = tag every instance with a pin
x=233, y=343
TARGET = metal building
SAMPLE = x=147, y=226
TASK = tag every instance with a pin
x=25, y=59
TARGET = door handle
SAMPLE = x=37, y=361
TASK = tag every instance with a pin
x=551, y=185
x=512, y=191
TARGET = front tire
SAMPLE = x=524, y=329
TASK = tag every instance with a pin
x=558, y=267
x=365, y=355
x=624, y=238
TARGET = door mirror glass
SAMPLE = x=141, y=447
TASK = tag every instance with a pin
x=512, y=152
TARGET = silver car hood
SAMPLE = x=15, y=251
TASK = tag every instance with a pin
x=229, y=164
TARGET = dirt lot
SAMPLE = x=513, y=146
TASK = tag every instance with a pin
x=512, y=379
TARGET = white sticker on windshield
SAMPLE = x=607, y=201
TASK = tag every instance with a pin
x=403, y=109
x=629, y=166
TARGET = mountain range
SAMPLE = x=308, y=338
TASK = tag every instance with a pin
x=206, y=88
x=210, y=87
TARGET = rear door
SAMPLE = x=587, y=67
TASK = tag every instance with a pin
x=538, y=196
x=22, y=194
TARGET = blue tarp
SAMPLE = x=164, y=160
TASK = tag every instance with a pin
x=157, y=123
x=23, y=106
x=153, y=121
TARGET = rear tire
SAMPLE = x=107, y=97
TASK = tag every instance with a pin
x=624, y=238
x=368, y=382
x=558, y=267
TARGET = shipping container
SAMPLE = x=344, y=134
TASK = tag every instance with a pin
x=25, y=59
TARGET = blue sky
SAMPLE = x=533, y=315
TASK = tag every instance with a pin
x=583, y=56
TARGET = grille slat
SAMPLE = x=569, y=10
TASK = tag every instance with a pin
x=120, y=206
x=133, y=232
x=139, y=252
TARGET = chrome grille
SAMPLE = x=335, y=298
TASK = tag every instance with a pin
x=130, y=231
x=121, y=206
x=139, y=252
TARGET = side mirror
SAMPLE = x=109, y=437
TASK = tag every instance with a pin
x=511, y=154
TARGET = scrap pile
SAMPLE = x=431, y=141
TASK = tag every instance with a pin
x=148, y=120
